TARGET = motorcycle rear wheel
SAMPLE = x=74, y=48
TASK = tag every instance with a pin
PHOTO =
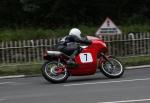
x=54, y=72
x=114, y=69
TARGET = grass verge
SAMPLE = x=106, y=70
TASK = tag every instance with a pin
x=21, y=69
x=136, y=61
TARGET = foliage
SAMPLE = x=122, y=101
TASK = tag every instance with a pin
x=57, y=13
x=43, y=33
x=39, y=33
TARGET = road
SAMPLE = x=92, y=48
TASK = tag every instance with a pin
x=134, y=86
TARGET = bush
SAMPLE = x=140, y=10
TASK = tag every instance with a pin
x=42, y=33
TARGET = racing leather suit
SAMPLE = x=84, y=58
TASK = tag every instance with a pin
x=70, y=45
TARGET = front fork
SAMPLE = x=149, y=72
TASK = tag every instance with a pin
x=106, y=59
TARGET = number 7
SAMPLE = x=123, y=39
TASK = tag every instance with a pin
x=85, y=56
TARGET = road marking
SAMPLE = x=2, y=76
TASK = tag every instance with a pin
x=7, y=83
x=14, y=76
x=2, y=99
x=90, y=83
x=127, y=101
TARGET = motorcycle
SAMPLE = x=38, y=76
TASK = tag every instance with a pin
x=91, y=58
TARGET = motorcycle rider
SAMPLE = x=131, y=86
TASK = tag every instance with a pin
x=70, y=44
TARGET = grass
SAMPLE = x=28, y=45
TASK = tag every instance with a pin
x=23, y=69
x=35, y=68
x=135, y=28
x=38, y=33
x=135, y=61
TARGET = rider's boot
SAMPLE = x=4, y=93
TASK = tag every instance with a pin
x=71, y=62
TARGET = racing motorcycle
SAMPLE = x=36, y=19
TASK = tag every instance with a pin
x=92, y=57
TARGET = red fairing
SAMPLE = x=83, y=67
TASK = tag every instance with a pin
x=87, y=59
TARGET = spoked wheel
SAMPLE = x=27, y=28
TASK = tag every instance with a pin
x=54, y=72
x=112, y=68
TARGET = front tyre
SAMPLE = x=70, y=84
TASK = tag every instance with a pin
x=112, y=68
x=54, y=72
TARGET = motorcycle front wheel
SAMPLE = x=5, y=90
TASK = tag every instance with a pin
x=54, y=72
x=112, y=68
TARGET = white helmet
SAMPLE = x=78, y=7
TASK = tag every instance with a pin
x=76, y=32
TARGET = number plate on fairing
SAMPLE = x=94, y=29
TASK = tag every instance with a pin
x=86, y=57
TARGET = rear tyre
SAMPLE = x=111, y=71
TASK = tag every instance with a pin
x=54, y=72
x=112, y=68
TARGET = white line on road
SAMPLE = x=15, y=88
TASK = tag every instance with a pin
x=13, y=76
x=2, y=99
x=7, y=83
x=131, y=80
x=127, y=101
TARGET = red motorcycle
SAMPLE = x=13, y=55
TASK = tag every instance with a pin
x=91, y=58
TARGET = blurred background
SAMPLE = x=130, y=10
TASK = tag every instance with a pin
x=34, y=19
x=58, y=13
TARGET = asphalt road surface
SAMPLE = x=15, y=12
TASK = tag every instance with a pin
x=133, y=87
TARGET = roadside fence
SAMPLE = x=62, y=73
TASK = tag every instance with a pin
x=27, y=51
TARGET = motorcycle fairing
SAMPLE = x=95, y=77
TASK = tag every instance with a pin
x=87, y=63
